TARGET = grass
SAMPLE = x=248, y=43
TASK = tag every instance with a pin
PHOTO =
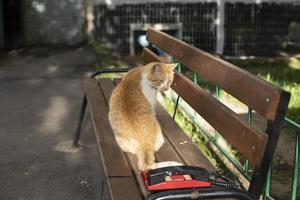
x=196, y=135
x=195, y=132
x=283, y=72
x=191, y=130
x=103, y=56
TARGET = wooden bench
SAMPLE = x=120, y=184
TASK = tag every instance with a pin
x=123, y=176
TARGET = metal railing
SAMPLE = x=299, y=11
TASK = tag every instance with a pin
x=244, y=169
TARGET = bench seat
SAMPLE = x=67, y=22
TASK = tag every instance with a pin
x=255, y=145
x=121, y=168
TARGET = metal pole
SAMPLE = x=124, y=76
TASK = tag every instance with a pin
x=179, y=69
x=268, y=184
x=176, y=107
x=80, y=120
x=296, y=165
x=89, y=20
x=218, y=91
x=249, y=119
x=217, y=136
x=84, y=102
x=220, y=27
x=195, y=79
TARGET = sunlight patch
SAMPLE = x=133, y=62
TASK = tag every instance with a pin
x=294, y=63
x=52, y=68
x=40, y=7
x=66, y=147
x=53, y=117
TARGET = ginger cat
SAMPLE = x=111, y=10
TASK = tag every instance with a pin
x=132, y=115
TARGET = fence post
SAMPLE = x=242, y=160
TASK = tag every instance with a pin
x=1, y=26
x=296, y=165
x=266, y=194
x=89, y=20
x=220, y=27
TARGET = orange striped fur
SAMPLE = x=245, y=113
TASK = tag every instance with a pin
x=132, y=115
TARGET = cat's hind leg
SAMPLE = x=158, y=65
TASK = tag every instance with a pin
x=159, y=141
x=129, y=145
x=145, y=158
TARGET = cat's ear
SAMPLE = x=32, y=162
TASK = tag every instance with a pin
x=156, y=69
x=173, y=66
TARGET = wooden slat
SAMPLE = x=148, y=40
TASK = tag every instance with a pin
x=166, y=153
x=140, y=181
x=251, y=90
x=176, y=139
x=149, y=56
x=123, y=189
x=107, y=87
x=190, y=154
x=224, y=126
x=130, y=157
x=115, y=162
x=183, y=145
x=248, y=140
x=120, y=179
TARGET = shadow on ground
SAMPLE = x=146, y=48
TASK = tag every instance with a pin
x=40, y=100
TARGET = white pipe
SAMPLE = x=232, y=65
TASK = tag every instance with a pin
x=220, y=27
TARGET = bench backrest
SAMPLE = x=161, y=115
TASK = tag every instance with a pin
x=266, y=99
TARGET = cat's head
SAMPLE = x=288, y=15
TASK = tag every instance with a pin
x=161, y=75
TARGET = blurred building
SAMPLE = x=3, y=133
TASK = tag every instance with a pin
x=41, y=22
x=228, y=27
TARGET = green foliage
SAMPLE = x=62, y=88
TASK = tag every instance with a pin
x=195, y=134
x=284, y=72
x=200, y=81
x=102, y=55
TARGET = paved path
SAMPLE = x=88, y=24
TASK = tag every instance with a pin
x=40, y=97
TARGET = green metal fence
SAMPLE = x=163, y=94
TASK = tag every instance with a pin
x=296, y=127
x=244, y=169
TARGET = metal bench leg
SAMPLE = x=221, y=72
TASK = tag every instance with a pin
x=80, y=120
x=84, y=102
